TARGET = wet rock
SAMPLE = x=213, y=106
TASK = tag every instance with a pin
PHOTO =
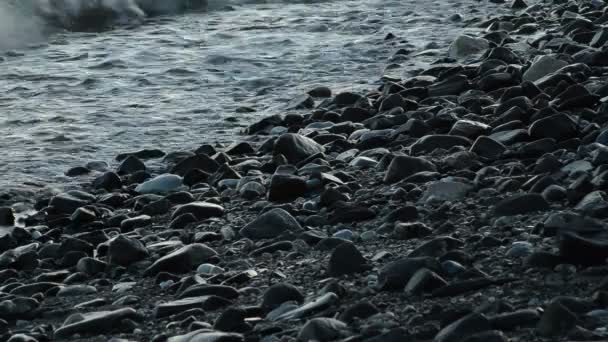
x=232, y=320
x=91, y=266
x=559, y=127
x=94, y=323
x=200, y=210
x=446, y=191
x=486, y=147
x=322, y=302
x=160, y=184
x=66, y=204
x=424, y=281
x=516, y=319
x=581, y=250
x=182, y=260
x=351, y=213
x=130, y=165
x=359, y=310
x=123, y=250
x=320, y=91
x=322, y=329
x=198, y=161
x=469, y=129
x=402, y=167
x=463, y=328
x=18, y=308
x=285, y=187
x=429, y=143
x=465, y=45
x=206, y=335
x=304, y=101
x=543, y=66
x=182, y=221
x=594, y=204
x=209, y=303
x=395, y=275
x=135, y=222
x=296, y=147
x=280, y=293
x=556, y=320
x=108, y=181
x=202, y=290
x=76, y=290
x=346, y=259
x=270, y=225
x=7, y=216
x=521, y=204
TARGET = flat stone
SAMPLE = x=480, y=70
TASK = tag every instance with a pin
x=103, y=322
x=429, y=143
x=123, y=250
x=296, y=147
x=462, y=328
x=404, y=166
x=160, y=184
x=182, y=260
x=200, y=210
x=208, y=303
x=323, y=329
x=205, y=335
x=542, y=66
x=270, y=225
x=521, y=204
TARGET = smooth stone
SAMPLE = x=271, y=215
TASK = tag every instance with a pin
x=446, y=191
x=76, y=290
x=395, y=275
x=521, y=204
x=201, y=290
x=66, y=204
x=429, y=143
x=469, y=129
x=520, y=249
x=404, y=166
x=207, y=303
x=296, y=147
x=198, y=161
x=322, y=329
x=346, y=259
x=465, y=45
x=206, y=335
x=160, y=184
x=209, y=269
x=270, y=225
x=542, y=66
x=130, y=165
x=556, y=320
x=462, y=328
x=280, y=293
x=322, y=302
x=123, y=250
x=559, y=127
x=96, y=323
x=182, y=260
x=7, y=216
x=284, y=187
x=200, y=210
x=487, y=147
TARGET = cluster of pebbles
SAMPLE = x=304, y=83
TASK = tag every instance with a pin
x=466, y=203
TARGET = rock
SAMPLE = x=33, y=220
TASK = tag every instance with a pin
x=182, y=260
x=304, y=101
x=252, y=190
x=130, y=165
x=7, y=216
x=91, y=266
x=322, y=329
x=404, y=166
x=556, y=320
x=83, y=215
x=521, y=204
x=206, y=335
x=395, y=275
x=199, y=161
x=361, y=310
x=351, y=213
x=94, y=323
x=469, y=129
x=76, y=290
x=520, y=249
x=270, y=225
x=515, y=319
x=161, y=184
x=363, y=162
x=200, y=210
x=464, y=46
x=285, y=187
x=296, y=147
x=135, y=222
x=559, y=127
x=577, y=249
x=424, y=281
x=542, y=66
x=280, y=293
x=594, y=204
x=323, y=302
x=320, y=91
x=463, y=328
x=208, y=303
x=346, y=259
x=232, y=320
x=446, y=191
x=66, y=204
x=182, y=221
x=429, y=143
x=124, y=250
x=18, y=308
x=487, y=147
x=108, y=181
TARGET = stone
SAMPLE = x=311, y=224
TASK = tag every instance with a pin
x=556, y=320
x=594, y=204
x=66, y=204
x=404, y=166
x=199, y=161
x=577, y=249
x=521, y=204
x=304, y=101
x=463, y=328
x=18, y=308
x=182, y=260
x=7, y=216
x=429, y=143
x=361, y=310
x=135, y=222
x=164, y=183
x=206, y=335
x=424, y=281
x=91, y=266
x=232, y=320
x=322, y=329
x=558, y=126
x=280, y=293
x=108, y=181
x=270, y=225
x=200, y=210
x=320, y=303
x=346, y=259
x=488, y=148
x=446, y=191
x=296, y=147
x=76, y=290
x=469, y=129
x=465, y=45
x=130, y=165
x=83, y=215
x=208, y=303
x=395, y=275
x=93, y=323
x=285, y=187
x=123, y=250
x=542, y=66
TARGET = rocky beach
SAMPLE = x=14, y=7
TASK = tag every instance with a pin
x=462, y=201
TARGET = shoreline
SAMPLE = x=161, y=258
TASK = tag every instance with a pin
x=463, y=204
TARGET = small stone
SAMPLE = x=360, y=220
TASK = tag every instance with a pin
x=296, y=147
x=395, y=275
x=464, y=46
x=463, y=328
x=346, y=259
x=280, y=293
x=200, y=210
x=404, y=166
x=521, y=204
x=123, y=250
x=130, y=165
x=322, y=329
x=76, y=290
x=487, y=147
x=91, y=266
x=270, y=225
x=182, y=260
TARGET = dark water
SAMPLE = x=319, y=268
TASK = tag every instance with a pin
x=175, y=82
